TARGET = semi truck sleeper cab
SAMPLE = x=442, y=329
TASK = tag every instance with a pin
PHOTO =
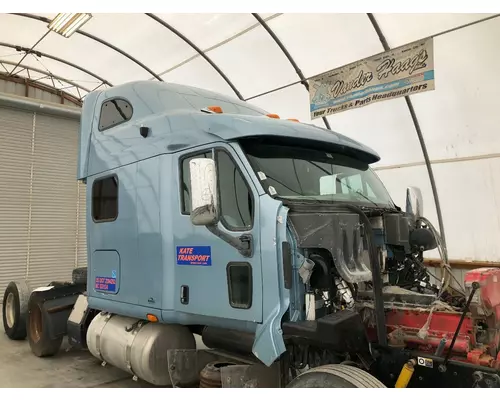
x=271, y=239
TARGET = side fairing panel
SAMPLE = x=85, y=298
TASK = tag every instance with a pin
x=171, y=206
x=149, y=270
x=269, y=344
x=114, y=243
x=86, y=122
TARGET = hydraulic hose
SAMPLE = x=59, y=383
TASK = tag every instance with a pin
x=376, y=276
x=443, y=253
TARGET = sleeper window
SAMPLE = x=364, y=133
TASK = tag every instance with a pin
x=114, y=112
x=105, y=199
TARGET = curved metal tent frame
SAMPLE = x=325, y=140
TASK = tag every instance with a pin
x=68, y=63
x=303, y=79
x=190, y=43
x=236, y=90
x=46, y=73
x=198, y=50
x=99, y=40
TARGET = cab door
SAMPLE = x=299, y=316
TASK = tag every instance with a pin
x=213, y=278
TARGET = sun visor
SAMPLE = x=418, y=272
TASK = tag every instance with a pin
x=234, y=127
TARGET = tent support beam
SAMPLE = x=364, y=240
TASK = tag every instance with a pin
x=420, y=136
x=60, y=60
x=99, y=40
x=280, y=44
x=198, y=50
x=59, y=78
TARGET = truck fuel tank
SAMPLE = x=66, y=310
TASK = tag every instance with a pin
x=137, y=346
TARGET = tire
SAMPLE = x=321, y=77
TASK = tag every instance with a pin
x=336, y=376
x=38, y=331
x=80, y=276
x=57, y=284
x=15, y=309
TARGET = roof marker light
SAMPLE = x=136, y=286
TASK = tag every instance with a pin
x=275, y=116
x=215, y=109
x=293, y=120
x=66, y=24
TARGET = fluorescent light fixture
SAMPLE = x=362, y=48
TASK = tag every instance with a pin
x=67, y=23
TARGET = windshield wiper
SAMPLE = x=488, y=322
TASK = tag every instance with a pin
x=357, y=192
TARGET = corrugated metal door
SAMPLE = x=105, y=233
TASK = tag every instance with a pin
x=54, y=201
x=16, y=133
x=42, y=206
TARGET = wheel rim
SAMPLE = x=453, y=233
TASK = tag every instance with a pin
x=36, y=324
x=10, y=310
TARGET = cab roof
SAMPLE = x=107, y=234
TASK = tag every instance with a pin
x=178, y=118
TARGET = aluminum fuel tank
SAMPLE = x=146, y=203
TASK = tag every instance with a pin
x=136, y=346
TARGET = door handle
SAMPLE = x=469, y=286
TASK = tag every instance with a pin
x=184, y=294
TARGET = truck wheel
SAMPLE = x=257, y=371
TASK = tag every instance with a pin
x=57, y=284
x=80, y=276
x=15, y=309
x=41, y=344
x=336, y=376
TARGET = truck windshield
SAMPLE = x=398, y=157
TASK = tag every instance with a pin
x=297, y=173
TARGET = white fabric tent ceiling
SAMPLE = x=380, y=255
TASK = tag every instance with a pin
x=263, y=59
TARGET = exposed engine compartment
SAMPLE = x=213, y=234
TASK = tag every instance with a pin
x=420, y=321
x=418, y=313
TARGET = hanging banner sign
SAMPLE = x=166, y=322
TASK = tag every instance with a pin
x=406, y=70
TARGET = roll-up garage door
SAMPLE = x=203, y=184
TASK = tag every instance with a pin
x=16, y=134
x=54, y=200
x=42, y=206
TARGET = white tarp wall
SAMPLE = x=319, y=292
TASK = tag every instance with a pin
x=459, y=119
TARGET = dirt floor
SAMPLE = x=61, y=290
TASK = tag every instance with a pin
x=19, y=368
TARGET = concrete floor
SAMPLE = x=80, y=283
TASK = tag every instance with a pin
x=19, y=368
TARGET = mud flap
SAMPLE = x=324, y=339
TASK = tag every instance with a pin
x=78, y=322
x=251, y=376
x=185, y=366
x=57, y=304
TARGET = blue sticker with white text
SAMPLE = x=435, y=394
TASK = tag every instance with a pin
x=194, y=255
x=105, y=284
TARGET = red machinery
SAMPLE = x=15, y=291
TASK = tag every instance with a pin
x=431, y=326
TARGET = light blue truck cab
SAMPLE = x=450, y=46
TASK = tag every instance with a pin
x=271, y=241
x=288, y=218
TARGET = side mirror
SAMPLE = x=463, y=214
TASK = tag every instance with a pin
x=414, y=202
x=203, y=192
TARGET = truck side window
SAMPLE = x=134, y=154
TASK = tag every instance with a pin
x=239, y=285
x=114, y=112
x=105, y=199
x=235, y=198
x=186, y=181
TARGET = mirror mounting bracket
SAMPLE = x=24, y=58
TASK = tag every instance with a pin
x=414, y=203
x=244, y=244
